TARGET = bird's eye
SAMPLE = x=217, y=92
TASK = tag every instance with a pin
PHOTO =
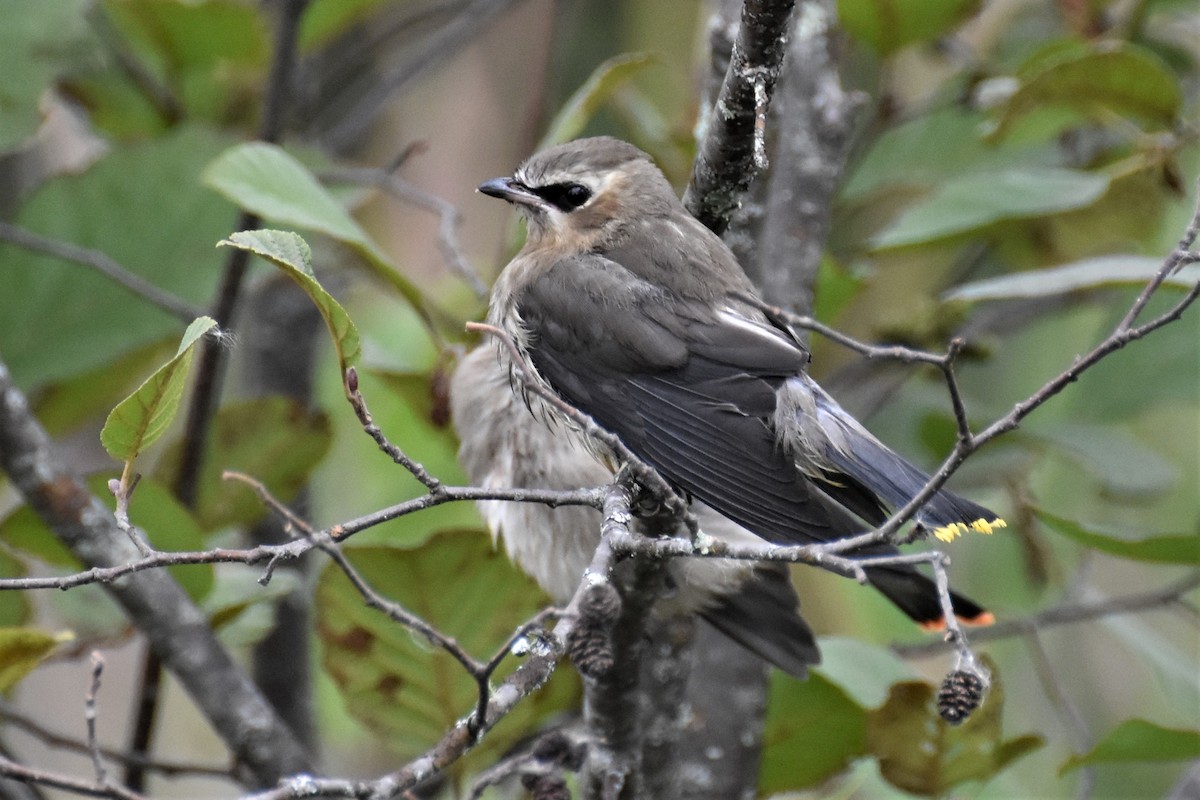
x=576, y=194
x=565, y=196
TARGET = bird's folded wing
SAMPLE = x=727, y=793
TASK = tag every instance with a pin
x=689, y=388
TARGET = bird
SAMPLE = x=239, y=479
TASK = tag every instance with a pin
x=503, y=446
x=633, y=312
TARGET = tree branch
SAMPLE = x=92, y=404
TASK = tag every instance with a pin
x=180, y=309
x=1065, y=614
x=725, y=163
x=177, y=631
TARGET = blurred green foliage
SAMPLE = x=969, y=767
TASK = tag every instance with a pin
x=1018, y=172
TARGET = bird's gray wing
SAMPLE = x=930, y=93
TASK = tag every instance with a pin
x=689, y=388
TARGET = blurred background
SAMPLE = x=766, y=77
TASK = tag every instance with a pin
x=1016, y=170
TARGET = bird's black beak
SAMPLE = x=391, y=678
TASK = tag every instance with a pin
x=513, y=191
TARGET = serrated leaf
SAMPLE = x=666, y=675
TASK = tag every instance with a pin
x=888, y=25
x=973, y=201
x=1090, y=273
x=274, y=439
x=397, y=684
x=291, y=253
x=1137, y=740
x=1164, y=549
x=22, y=649
x=1111, y=78
x=267, y=180
x=814, y=717
x=138, y=420
x=921, y=753
x=583, y=104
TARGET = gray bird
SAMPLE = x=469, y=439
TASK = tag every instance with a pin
x=639, y=316
x=504, y=446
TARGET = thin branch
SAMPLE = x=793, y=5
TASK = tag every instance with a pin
x=528, y=678
x=13, y=716
x=153, y=601
x=449, y=217
x=89, y=716
x=1065, y=614
x=94, y=259
x=460, y=30
x=359, y=404
x=18, y=772
x=211, y=364
x=1066, y=708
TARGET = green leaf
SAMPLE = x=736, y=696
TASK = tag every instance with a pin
x=931, y=148
x=138, y=420
x=1090, y=273
x=1164, y=549
x=921, y=753
x=15, y=607
x=64, y=406
x=275, y=440
x=22, y=649
x=153, y=509
x=888, y=25
x=973, y=201
x=814, y=717
x=1117, y=458
x=579, y=109
x=267, y=180
x=140, y=205
x=291, y=253
x=37, y=44
x=242, y=610
x=1111, y=78
x=394, y=682
x=1138, y=740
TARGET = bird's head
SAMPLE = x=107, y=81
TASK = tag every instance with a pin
x=582, y=194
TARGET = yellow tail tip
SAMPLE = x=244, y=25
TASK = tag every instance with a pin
x=948, y=533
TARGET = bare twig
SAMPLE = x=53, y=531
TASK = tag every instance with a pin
x=1066, y=708
x=1065, y=614
x=529, y=677
x=449, y=218
x=18, y=772
x=465, y=25
x=13, y=716
x=180, y=309
x=154, y=602
x=359, y=404
x=89, y=715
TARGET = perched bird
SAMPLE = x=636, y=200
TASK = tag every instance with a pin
x=639, y=316
x=504, y=446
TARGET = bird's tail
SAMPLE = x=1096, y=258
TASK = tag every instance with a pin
x=763, y=616
x=917, y=596
x=859, y=471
